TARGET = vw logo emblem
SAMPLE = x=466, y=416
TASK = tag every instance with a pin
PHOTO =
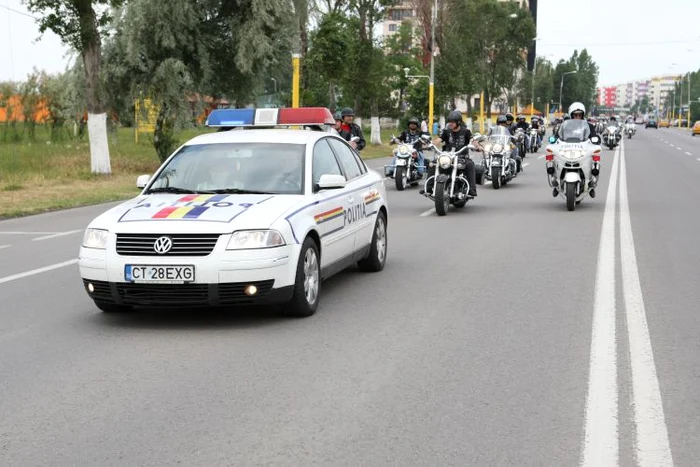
x=162, y=245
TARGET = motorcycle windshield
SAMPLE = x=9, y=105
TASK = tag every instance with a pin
x=574, y=131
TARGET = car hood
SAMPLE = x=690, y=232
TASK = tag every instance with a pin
x=200, y=213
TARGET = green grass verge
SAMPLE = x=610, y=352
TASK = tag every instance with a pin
x=39, y=176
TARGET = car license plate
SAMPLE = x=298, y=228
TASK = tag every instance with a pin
x=166, y=274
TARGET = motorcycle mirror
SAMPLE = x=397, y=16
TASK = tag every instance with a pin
x=552, y=139
x=595, y=139
x=425, y=137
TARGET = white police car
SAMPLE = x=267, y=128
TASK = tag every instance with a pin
x=255, y=216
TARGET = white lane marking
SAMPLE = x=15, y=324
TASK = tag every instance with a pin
x=652, y=445
x=679, y=148
x=541, y=157
x=687, y=153
x=2, y=247
x=526, y=164
x=671, y=145
x=427, y=213
x=698, y=158
x=601, y=443
x=60, y=234
x=27, y=233
x=22, y=275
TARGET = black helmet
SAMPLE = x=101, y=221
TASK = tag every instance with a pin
x=347, y=112
x=521, y=118
x=413, y=120
x=455, y=116
x=509, y=116
x=501, y=119
x=338, y=116
x=566, y=117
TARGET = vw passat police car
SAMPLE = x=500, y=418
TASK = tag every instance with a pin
x=245, y=216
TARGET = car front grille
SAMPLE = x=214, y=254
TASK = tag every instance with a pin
x=183, y=244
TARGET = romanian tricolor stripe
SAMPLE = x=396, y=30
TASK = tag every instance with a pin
x=328, y=215
x=174, y=212
x=372, y=197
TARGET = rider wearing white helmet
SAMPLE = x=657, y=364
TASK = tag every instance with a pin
x=577, y=111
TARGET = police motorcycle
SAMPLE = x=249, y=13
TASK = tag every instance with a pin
x=406, y=166
x=498, y=163
x=611, y=135
x=630, y=129
x=573, y=163
x=449, y=186
x=532, y=140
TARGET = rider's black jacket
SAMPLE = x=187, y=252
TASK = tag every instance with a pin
x=355, y=130
x=522, y=125
x=408, y=137
x=455, y=139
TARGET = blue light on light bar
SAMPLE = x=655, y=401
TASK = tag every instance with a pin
x=231, y=117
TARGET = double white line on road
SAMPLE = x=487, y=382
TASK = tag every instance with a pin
x=601, y=441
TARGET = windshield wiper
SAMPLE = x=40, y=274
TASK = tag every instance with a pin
x=238, y=191
x=172, y=189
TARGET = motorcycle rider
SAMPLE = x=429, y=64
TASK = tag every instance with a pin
x=350, y=129
x=338, y=122
x=410, y=135
x=577, y=111
x=522, y=123
x=535, y=124
x=456, y=136
x=502, y=120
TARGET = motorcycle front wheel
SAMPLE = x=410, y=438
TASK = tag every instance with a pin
x=401, y=178
x=570, y=196
x=442, y=198
x=496, y=177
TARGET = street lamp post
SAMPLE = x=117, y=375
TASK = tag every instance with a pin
x=561, y=87
x=431, y=88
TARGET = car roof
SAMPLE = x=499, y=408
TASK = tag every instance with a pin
x=259, y=135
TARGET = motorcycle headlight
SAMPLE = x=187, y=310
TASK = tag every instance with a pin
x=497, y=147
x=445, y=162
x=95, y=238
x=253, y=239
x=404, y=150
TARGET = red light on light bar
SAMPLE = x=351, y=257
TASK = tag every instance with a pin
x=549, y=157
x=305, y=116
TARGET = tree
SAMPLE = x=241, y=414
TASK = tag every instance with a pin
x=402, y=53
x=78, y=24
x=580, y=86
x=328, y=57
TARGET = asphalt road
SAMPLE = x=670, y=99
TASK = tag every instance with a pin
x=511, y=332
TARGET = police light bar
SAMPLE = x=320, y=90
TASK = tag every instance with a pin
x=231, y=117
x=303, y=116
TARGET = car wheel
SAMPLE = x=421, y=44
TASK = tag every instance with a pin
x=107, y=307
x=307, y=286
x=376, y=259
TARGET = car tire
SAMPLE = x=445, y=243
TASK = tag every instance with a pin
x=107, y=307
x=376, y=259
x=304, y=303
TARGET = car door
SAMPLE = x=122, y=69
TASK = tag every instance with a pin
x=356, y=218
x=336, y=241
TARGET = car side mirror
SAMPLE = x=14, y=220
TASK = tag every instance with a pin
x=595, y=139
x=331, y=182
x=142, y=181
x=552, y=139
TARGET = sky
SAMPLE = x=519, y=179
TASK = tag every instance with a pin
x=628, y=39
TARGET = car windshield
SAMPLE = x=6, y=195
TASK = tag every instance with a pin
x=274, y=168
x=574, y=131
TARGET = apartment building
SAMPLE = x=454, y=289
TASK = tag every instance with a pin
x=404, y=10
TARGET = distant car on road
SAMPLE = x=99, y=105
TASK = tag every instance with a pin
x=663, y=124
x=696, y=129
x=651, y=123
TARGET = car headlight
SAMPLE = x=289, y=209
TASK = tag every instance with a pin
x=251, y=239
x=95, y=238
x=445, y=162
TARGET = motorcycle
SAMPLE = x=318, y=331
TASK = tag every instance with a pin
x=449, y=184
x=520, y=141
x=630, y=130
x=573, y=163
x=406, y=167
x=611, y=136
x=498, y=164
x=532, y=140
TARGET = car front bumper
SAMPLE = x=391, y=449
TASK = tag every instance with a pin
x=262, y=276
